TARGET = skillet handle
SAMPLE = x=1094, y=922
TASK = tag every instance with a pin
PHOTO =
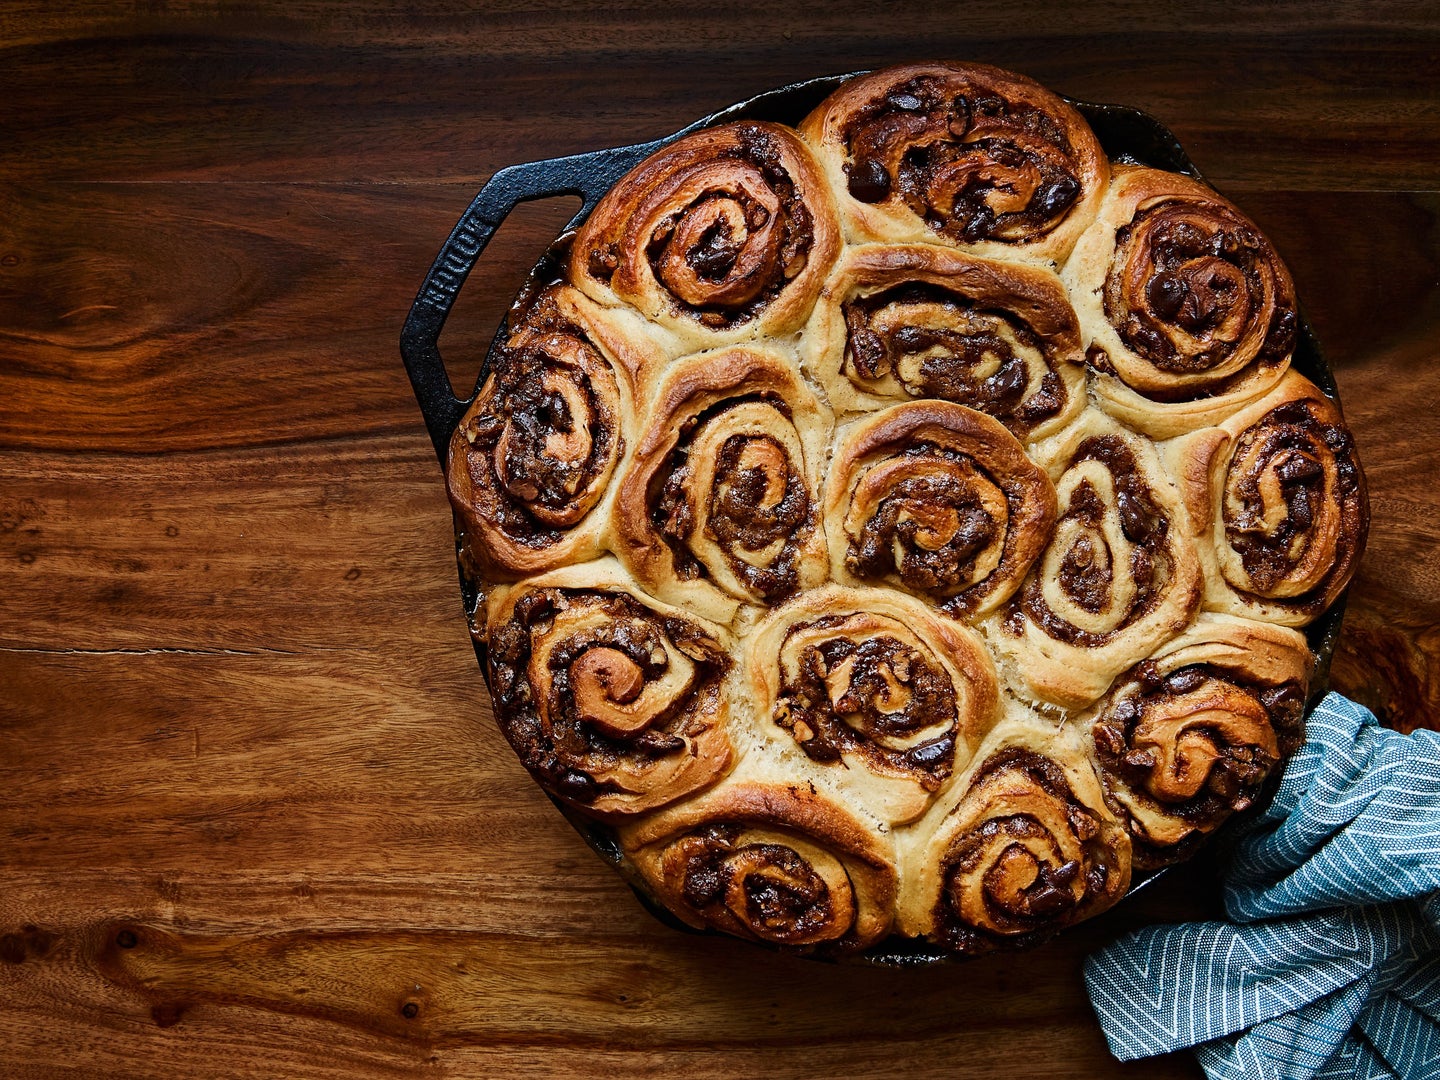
x=586, y=175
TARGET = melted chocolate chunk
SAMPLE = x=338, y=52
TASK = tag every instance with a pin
x=1166, y=293
x=966, y=340
x=704, y=883
x=934, y=132
x=1086, y=571
x=868, y=181
x=854, y=697
x=717, y=251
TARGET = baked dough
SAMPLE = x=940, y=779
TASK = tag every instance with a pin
x=1187, y=310
x=964, y=155
x=902, y=526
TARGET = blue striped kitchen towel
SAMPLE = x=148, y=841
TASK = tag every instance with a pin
x=1331, y=966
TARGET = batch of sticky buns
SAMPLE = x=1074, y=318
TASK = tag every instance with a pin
x=903, y=526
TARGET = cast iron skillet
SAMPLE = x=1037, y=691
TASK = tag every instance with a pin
x=1127, y=135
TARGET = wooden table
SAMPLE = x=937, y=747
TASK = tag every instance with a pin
x=255, y=818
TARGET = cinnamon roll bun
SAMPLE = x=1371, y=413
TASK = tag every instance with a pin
x=1027, y=848
x=1119, y=575
x=896, y=322
x=723, y=236
x=874, y=688
x=613, y=701
x=938, y=500
x=960, y=154
x=720, y=505
x=1278, y=503
x=1188, y=311
x=1188, y=736
x=533, y=457
x=777, y=863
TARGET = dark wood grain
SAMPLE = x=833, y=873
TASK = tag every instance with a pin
x=1329, y=94
x=252, y=801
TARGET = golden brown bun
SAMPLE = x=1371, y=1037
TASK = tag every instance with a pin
x=959, y=154
x=531, y=462
x=884, y=698
x=1189, y=736
x=1188, y=312
x=720, y=505
x=1119, y=575
x=897, y=322
x=1024, y=848
x=1278, y=505
x=724, y=236
x=613, y=700
x=780, y=864
x=938, y=500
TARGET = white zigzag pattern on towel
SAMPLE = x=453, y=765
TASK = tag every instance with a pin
x=1342, y=979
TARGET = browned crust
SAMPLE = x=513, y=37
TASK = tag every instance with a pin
x=893, y=220
x=798, y=808
x=943, y=423
x=1030, y=494
x=1192, y=477
x=620, y=231
x=1131, y=185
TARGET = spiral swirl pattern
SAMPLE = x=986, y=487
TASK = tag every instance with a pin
x=1119, y=575
x=782, y=865
x=876, y=685
x=721, y=231
x=1290, y=484
x=1023, y=855
x=1188, y=309
x=1188, y=736
x=940, y=501
x=1195, y=289
x=1289, y=519
x=534, y=454
x=965, y=155
x=613, y=703
x=720, y=504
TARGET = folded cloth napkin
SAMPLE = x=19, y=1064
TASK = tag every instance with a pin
x=1331, y=967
